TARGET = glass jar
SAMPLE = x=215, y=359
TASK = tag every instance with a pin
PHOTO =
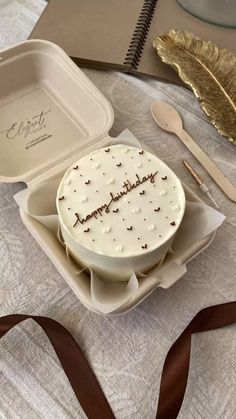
x=220, y=12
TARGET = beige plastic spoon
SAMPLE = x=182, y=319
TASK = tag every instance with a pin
x=169, y=119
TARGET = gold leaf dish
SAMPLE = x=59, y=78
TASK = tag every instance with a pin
x=209, y=71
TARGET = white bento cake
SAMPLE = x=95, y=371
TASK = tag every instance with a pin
x=119, y=208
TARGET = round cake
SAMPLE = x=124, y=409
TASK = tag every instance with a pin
x=119, y=208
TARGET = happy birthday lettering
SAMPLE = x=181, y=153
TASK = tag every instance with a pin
x=128, y=186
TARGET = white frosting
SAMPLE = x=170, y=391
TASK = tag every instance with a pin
x=133, y=224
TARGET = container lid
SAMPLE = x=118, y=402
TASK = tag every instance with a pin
x=49, y=110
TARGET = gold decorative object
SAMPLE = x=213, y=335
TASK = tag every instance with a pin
x=209, y=71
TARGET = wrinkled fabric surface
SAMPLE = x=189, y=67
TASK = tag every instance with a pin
x=126, y=352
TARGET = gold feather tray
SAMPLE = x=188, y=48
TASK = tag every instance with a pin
x=209, y=71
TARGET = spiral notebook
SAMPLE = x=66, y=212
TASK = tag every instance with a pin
x=118, y=34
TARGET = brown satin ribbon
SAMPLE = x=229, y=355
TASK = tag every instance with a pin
x=84, y=382
x=74, y=364
x=176, y=366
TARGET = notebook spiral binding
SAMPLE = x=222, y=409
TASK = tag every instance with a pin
x=136, y=45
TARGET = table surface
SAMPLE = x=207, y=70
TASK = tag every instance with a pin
x=126, y=352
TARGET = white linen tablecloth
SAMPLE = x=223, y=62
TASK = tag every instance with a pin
x=126, y=352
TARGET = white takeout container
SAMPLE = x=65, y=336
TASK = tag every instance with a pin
x=51, y=115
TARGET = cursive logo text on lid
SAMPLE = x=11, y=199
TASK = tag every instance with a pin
x=26, y=127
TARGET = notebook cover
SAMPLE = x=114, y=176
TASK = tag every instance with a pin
x=98, y=33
